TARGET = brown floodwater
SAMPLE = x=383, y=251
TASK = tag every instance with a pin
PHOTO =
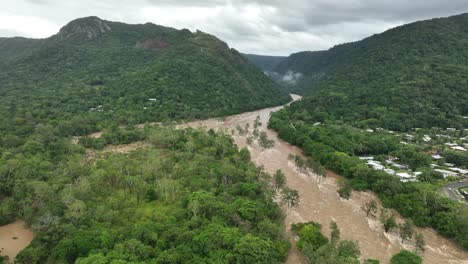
x=321, y=203
x=319, y=198
x=14, y=237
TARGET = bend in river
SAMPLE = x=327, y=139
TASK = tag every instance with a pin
x=321, y=203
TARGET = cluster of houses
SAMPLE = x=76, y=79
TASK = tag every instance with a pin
x=406, y=176
x=451, y=170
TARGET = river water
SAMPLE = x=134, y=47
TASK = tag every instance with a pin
x=14, y=237
x=319, y=199
x=321, y=203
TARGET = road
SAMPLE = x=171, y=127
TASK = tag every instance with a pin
x=449, y=190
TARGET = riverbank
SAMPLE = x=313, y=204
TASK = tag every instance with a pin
x=320, y=201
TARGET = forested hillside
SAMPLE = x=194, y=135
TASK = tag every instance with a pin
x=185, y=196
x=265, y=63
x=410, y=76
x=95, y=70
x=188, y=196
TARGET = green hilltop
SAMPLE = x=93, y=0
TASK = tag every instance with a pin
x=411, y=76
x=97, y=70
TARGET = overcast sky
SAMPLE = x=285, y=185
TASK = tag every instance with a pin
x=276, y=27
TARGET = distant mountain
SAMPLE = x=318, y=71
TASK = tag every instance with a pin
x=414, y=75
x=15, y=48
x=265, y=63
x=100, y=70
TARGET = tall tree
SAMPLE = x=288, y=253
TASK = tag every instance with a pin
x=290, y=197
x=280, y=179
x=406, y=230
x=370, y=208
x=387, y=218
x=420, y=242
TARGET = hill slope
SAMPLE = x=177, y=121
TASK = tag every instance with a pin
x=265, y=63
x=410, y=76
x=105, y=70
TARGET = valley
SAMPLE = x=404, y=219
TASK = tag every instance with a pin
x=320, y=201
x=141, y=143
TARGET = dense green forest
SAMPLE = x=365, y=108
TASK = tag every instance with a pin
x=411, y=76
x=337, y=147
x=188, y=196
x=95, y=71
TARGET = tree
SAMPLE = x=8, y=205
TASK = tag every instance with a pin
x=420, y=242
x=370, y=208
x=405, y=257
x=264, y=141
x=387, y=218
x=290, y=197
x=3, y=259
x=252, y=249
x=406, y=230
x=280, y=179
x=344, y=188
x=335, y=233
x=309, y=235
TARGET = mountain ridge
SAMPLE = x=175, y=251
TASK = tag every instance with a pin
x=412, y=72
x=93, y=62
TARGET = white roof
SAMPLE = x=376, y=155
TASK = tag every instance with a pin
x=437, y=156
x=375, y=162
x=404, y=175
x=459, y=148
x=462, y=171
x=446, y=172
x=366, y=158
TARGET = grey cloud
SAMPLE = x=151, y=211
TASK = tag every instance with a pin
x=276, y=27
x=9, y=33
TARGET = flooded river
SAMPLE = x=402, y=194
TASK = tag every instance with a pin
x=14, y=237
x=321, y=203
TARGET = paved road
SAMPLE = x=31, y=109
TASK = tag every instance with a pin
x=449, y=189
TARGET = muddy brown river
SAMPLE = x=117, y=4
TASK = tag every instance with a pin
x=321, y=203
x=14, y=237
x=319, y=199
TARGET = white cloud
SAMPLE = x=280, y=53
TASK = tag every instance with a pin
x=275, y=27
x=29, y=26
